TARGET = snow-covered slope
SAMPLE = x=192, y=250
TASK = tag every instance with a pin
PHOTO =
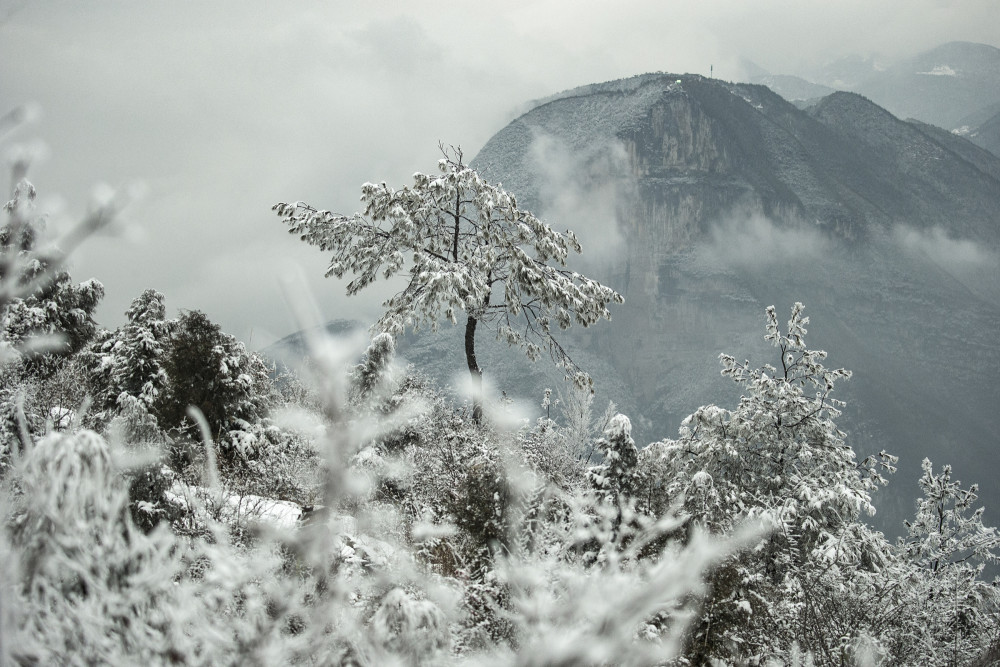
x=725, y=198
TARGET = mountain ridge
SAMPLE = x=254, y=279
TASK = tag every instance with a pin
x=840, y=203
x=707, y=201
x=944, y=86
x=728, y=198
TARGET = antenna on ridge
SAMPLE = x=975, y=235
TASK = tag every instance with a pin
x=711, y=71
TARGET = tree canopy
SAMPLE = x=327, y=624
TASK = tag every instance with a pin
x=212, y=371
x=464, y=245
x=37, y=296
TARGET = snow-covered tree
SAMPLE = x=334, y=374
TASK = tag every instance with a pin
x=464, y=245
x=37, y=296
x=779, y=452
x=373, y=374
x=947, y=531
x=614, y=479
x=212, y=371
x=412, y=629
x=779, y=457
x=44, y=319
x=127, y=364
x=949, y=547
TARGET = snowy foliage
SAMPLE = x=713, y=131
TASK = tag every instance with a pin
x=463, y=245
x=438, y=540
x=369, y=520
x=949, y=546
x=614, y=480
x=947, y=531
x=209, y=369
x=778, y=457
x=779, y=454
x=127, y=364
x=371, y=378
x=38, y=301
x=44, y=318
x=615, y=477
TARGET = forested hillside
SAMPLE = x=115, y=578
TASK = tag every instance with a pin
x=167, y=499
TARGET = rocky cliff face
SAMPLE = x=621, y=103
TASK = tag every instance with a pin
x=720, y=199
x=699, y=148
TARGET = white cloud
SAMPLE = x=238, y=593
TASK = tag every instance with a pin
x=754, y=241
x=950, y=253
x=941, y=70
x=579, y=190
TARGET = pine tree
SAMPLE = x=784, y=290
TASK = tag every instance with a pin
x=127, y=365
x=614, y=479
x=464, y=245
x=213, y=372
x=38, y=297
x=778, y=457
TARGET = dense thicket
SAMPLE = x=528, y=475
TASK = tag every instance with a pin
x=364, y=517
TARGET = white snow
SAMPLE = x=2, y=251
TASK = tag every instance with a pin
x=276, y=513
x=61, y=417
x=941, y=70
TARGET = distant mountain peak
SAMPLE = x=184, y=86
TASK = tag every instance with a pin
x=722, y=198
x=847, y=162
x=942, y=86
x=961, y=49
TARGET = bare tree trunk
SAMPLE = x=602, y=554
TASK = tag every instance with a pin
x=475, y=371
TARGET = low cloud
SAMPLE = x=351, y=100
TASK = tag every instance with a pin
x=754, y=241
x=580, y=190
x=948, y=252
x=966, y=261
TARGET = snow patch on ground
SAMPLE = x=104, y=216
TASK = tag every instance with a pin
x=62, y=418
x=941, y=70
x=258, y=509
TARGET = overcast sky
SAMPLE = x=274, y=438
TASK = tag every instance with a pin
x=222, y=109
